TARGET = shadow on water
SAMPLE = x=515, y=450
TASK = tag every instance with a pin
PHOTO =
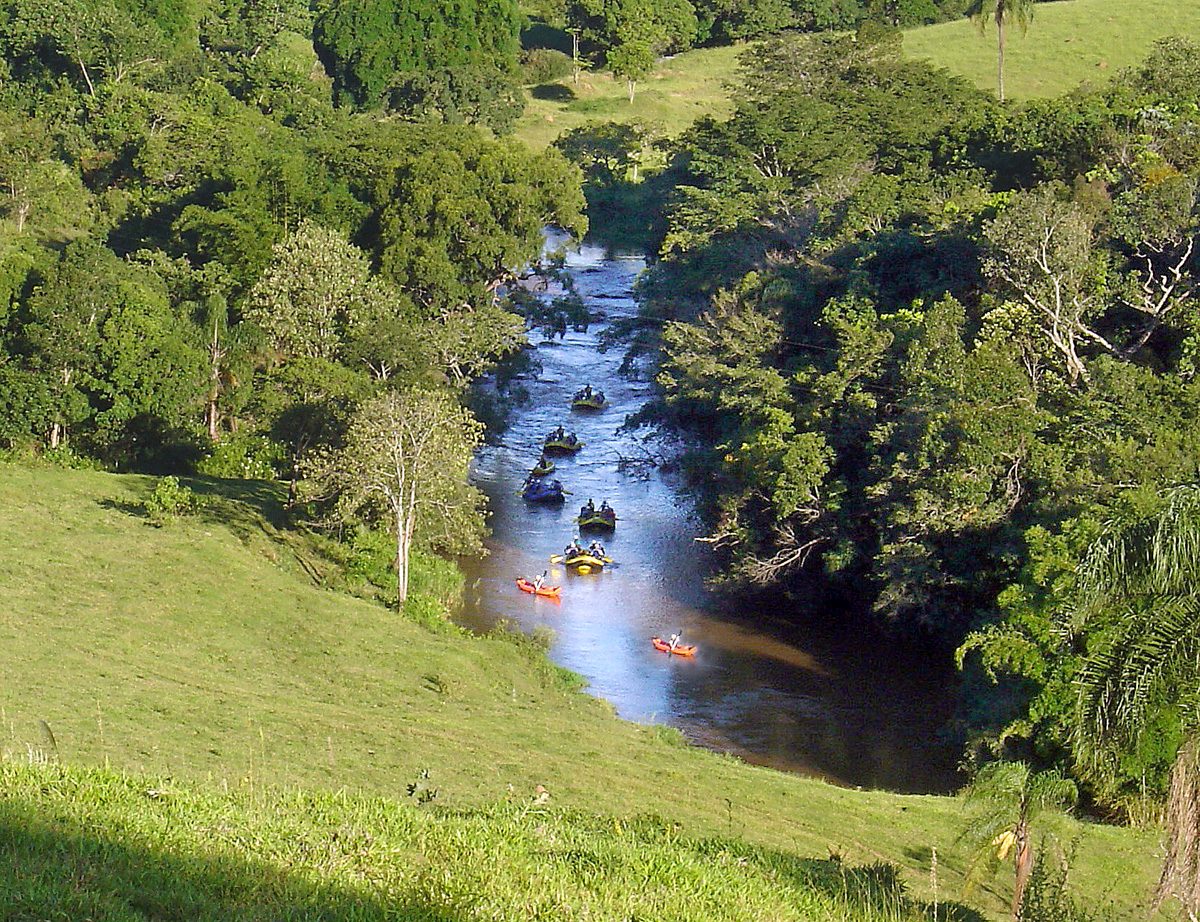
x=826, y=696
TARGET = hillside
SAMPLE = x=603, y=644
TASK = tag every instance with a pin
x=682, y=89
x=1068, y=43
x=208, y=651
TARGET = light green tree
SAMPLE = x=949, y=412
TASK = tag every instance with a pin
x=404, y=464
x=1003, y=12
x=1043, y=254
x=317, y=287
x=1140, y=597
x=1008, y=797
x=632, y=60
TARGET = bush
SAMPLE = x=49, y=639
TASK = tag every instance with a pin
x=250, y=457
x=171, y=499
x=544, y=65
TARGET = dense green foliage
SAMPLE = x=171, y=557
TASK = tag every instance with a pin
x=670, y=25
x=372, y=47
x=181, y=212
x=205, y=264
x=933, y=342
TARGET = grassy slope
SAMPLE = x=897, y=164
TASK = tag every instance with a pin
x=205, y=650
x=94, y=844
x=1068, y=43
x=681, y=90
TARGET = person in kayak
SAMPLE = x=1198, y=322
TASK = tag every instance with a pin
x=676, y=638
x=541, y=580
x=542, y=463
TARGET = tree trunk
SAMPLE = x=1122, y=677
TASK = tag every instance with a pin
x=632, y=88
x=1000, y=56
x=1024, y=866
x=212, y=412
x=1181, y=866
x=401, y=561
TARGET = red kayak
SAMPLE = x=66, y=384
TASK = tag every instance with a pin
x=550, y=592
x=683, y=649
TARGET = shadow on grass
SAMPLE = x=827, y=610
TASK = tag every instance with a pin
x=53, y=870
x=253, y=510
x=553, y=92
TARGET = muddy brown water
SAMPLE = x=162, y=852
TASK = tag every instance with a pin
x=831, y=698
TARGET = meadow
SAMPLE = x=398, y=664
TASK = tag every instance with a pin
x=1069, y=43
x=214, y=654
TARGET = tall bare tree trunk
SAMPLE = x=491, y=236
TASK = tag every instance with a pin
x=1000, y=56
x=1181, y=866
x=1024, y=865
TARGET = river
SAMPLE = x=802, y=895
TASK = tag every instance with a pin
x=828, y=697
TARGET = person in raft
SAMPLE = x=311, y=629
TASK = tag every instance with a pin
x=604, y=506
x=559, y=433
x=588, y=508
x=676, y=638
x=596, y=549
x=574, y=549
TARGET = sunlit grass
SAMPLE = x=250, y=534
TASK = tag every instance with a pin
x=78, y=844
x=209, y=650
x=681, y=90
x=1068, y=43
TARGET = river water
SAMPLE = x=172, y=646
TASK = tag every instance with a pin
x=819, y=696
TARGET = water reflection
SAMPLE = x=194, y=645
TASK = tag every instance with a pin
x=843, y=704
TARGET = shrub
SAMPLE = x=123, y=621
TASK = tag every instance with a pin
x=243, y=457
x=171, y=499
x=544, y=65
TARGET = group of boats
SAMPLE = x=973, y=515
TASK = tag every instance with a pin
x=540, y=487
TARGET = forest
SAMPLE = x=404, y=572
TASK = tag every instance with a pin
x=931, y=353
x=942, y=355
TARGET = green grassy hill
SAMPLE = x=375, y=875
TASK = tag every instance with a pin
x=209, y=651
x=681, y=89
x=1068, y=43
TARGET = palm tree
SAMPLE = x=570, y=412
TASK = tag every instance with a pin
x=1002, y=12
x=1140, y=594
x=1011, y=796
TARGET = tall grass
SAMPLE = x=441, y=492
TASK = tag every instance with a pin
x=99, y=845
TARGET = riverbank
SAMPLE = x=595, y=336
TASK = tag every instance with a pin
x=208, y=651
x=831, y=697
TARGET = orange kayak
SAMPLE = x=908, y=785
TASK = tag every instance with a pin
x=683, y=649
x=550, y=592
